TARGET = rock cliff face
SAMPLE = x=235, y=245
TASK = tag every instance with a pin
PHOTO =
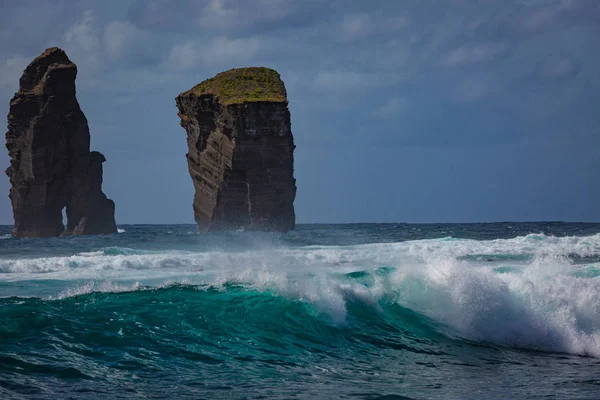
x=51, y=165
x=240, y=151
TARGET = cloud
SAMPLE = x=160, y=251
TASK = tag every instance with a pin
x=526, y=19
x=12, y=69
x=341, y=82
x=433, y=74
x=393, y=108
x=356, y=26
x=82, y=33
x=467, y=55
x=219, y=51
x=260, y=15
x=541, y=18
x=225, y=16
x=82, y=41
x=558, y=68
x=10, y=72
x=558, y=13
x=471, y=90
x=348, y=53
x=359, y=26
x=165, y=15
x=120, y=37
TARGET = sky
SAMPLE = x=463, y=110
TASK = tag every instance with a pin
x=402, y=111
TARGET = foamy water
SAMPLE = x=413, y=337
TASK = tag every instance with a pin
x=533, y=292
x=532, y=298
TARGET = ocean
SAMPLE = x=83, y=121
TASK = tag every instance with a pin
x=358, y=311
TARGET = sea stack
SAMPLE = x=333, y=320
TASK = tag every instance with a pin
x=51, y=165
x=240, y=151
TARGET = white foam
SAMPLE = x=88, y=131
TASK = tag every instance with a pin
x=105, y=287
x=541, y=307
x=347, y=258
x=538, y=303
x=97, y=264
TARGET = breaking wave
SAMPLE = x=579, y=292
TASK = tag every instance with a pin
x=530, y=292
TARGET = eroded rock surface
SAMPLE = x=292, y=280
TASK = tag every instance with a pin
x=51, y=164
x=240, y=151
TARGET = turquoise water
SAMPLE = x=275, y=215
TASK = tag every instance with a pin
x=475, y=311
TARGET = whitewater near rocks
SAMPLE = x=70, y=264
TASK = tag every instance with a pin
x=412, y=310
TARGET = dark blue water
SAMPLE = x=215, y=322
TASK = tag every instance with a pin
x=445, y=311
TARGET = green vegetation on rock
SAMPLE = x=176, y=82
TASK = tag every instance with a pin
x=242, y=85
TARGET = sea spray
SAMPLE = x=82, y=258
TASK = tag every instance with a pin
x=241, y=313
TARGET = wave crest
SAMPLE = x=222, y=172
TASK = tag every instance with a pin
x=526, y=292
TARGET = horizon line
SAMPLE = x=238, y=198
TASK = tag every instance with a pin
x=385, y=223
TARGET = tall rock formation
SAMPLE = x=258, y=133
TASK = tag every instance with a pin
x=51, y=165
x=240, y=151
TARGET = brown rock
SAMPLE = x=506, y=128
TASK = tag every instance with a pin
x=51, y=165
x=240, y=151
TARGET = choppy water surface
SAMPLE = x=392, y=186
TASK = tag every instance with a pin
x=508, y=310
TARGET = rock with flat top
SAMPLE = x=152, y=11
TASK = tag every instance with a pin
x=240, y=151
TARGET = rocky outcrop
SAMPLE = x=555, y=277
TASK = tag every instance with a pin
x=240, y=151
x=51, y=165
